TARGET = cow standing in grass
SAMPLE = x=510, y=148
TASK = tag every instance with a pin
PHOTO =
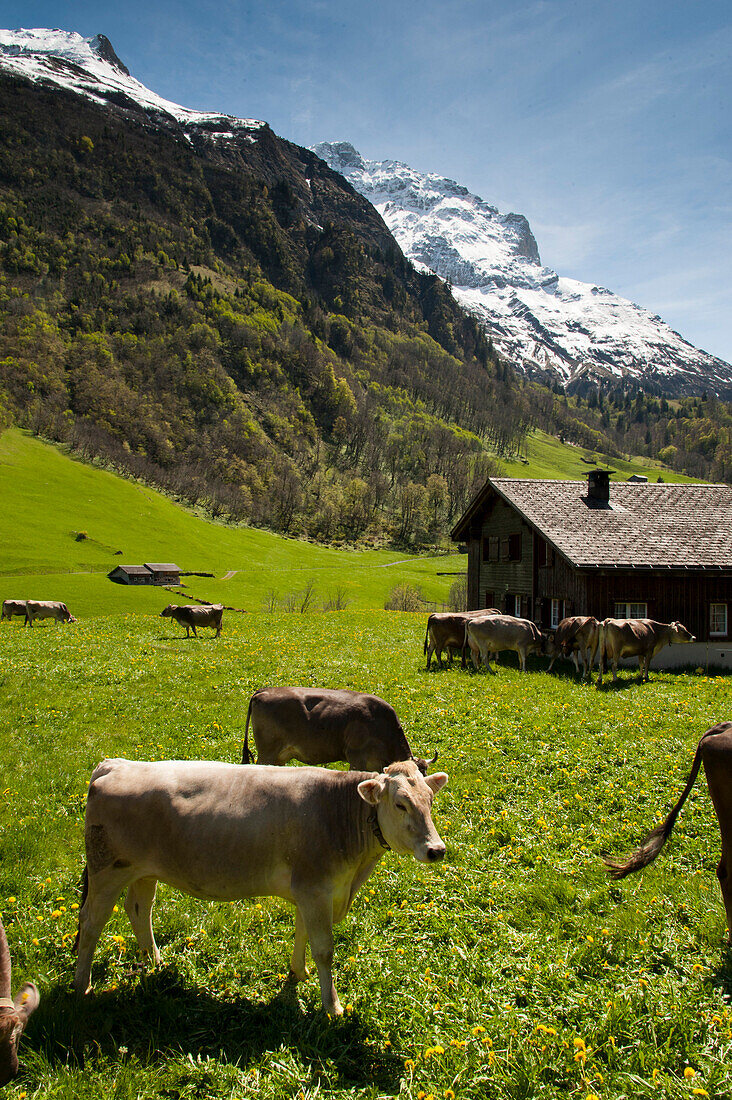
x=47, y=609
x=323, y=725
x=714, y=751
x=446, y=631
x=192, y=615
x=494, y=633
x=222, y=832
x=14, y=607
x=641, y=638
x=14, y=1013
x=577, y=636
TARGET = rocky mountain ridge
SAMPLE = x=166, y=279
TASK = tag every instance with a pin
x=546, y=324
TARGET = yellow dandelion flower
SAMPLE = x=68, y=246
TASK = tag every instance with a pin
x=689, y=1073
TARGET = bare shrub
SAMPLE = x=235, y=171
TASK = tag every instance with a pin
x=336, y=601
x=270, y=601
x=405, y=597
x=458, y=598
x=300, y=601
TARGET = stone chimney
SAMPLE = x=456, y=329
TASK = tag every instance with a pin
x=598, y=487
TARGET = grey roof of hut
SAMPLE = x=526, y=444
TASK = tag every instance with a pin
x=642, y=526
x=159, y=567
x=133, y=570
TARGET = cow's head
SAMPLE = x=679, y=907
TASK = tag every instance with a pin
x=403, y=800
x=167, y=612
x=12, y=1022
x=66, y=615
x=423, y=764
x=549, y=643
x=680, y=634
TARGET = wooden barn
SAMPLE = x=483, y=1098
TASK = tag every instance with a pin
x=546, y=549
x=150, y=573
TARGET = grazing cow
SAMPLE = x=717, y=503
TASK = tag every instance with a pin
x=714, y=751
x=575, y=637
x=446, y=631
x=14, y=1013
x=641, y=638
x=494, y=633
x=14, y=607
x=47, y=609
x=222, y=832
x=192, y=615
x=322, y=725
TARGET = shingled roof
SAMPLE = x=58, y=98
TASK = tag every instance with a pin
x=647, y=526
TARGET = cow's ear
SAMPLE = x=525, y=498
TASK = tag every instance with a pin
x=436, y=782
x=26, y=1000
x=372, y=790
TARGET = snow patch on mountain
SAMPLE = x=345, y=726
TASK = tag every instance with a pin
x=545, y=323
x=90, y=67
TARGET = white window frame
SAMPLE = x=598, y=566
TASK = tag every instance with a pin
x=718, y=633
x=556, y=613
x=517, y=607
x=631, y=609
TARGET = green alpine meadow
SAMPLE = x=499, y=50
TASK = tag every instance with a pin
x=514, y=968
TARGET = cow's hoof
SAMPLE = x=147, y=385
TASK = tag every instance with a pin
x=295, y=976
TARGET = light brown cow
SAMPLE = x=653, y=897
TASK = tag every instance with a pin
x=47, y=609
x=14, y=607
x=222, y=832
x=576, y=636
x=492, y=634
x=192, y=615
x=14, y=1013
x=714, y=751
x=446, y=631
x=322, y=725
x=641, y=638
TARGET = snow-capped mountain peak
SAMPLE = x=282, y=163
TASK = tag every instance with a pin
x=541, y=321
x=90, y=67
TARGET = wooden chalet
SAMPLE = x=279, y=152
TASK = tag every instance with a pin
x=543, y=550
x=151, y=573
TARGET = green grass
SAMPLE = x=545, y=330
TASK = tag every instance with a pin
x=48, y=498
x=515, y=969
x=547, y=457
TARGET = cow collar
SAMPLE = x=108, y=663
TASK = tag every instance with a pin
x=7, y=1002
x=373, y=820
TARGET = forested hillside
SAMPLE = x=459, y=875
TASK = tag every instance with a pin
x=237, y=325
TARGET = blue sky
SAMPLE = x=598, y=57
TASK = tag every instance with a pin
x=606, y=122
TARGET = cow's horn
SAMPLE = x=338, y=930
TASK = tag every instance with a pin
x=433, y=760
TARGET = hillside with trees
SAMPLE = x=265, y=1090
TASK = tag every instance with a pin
x=238, y=327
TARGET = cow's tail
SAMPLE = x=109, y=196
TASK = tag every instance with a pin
x=656, y=839
x=463, y=661
x=426, y=636
x=247, y=756
x=84, y=893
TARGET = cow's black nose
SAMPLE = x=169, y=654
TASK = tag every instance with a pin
x=433, y=854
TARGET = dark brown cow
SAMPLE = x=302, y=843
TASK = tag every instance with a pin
x=576, y=636
x=323, y=725
x=641, y=638
x=192, y=615
x=714, y=751
x=14, y=1013
x=446, y=631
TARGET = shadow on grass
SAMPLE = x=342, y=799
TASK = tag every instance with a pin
x=721, y=977
x=620, y=684
x=159, y=1016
